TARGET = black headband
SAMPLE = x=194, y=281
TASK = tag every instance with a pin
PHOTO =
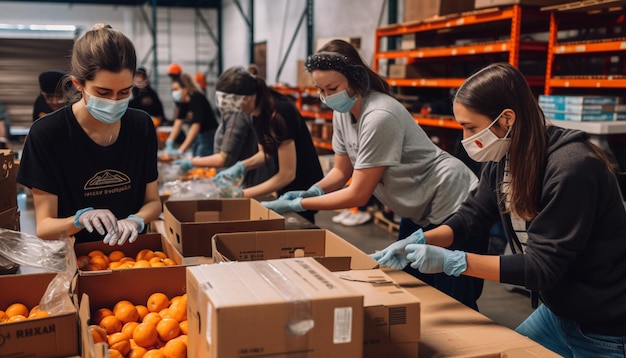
x=327, y=61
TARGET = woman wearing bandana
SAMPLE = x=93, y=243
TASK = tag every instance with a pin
x=559, y=201
x=92, y=164
x=379, y=145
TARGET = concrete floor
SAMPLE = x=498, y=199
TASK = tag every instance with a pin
x=505, y=307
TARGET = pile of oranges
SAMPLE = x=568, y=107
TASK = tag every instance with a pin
x=156, y=329
x=98, y=260
x=20, y=312
x=199, y=173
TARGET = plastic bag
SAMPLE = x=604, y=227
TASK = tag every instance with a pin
x=191, y=189
x=50, y=255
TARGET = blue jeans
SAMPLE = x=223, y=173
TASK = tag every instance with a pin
x=202, y=146
x=464, y=289
x=565, y=337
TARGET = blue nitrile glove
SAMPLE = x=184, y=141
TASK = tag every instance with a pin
x=185, y=164
x=314, y=190
x=169, y=148
x=394, y=255
x=127, y=228
x=282, y=205
x=435, y=259
x=231, y=174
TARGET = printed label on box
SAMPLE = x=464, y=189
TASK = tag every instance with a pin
x=343, y=325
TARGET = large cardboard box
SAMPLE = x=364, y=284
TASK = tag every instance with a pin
x=92, y=292
x=53, y=336
x=272, y=308
x=419, y=10
x=392, y=314
x=335, y=253
x=451, y=329
x=190, y=224
x=152, y=241
x=479, y=4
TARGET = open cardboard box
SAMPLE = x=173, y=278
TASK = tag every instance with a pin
x=53, y=336
x=190, y=224
x=392, y=314
x=273, y=308
x=153, y=241
x=92, y=292
x=335, y=253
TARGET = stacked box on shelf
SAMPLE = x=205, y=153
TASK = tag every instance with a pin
x=9, y=211
x=582, y=108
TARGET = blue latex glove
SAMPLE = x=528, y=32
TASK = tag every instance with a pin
x=169, y=149
x=282, y=205
x=435, y=259
x=185, y=164
x=314, y=190
x=102, y=220
x=233, y=173
x=394, y=255
x=127, y=229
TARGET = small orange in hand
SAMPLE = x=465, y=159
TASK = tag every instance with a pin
x=111, y=324
x=168, y=328
x=157, y=301
x=145, y=335
x=17, y=309
x=175, y=348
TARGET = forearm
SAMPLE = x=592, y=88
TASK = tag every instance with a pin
x=275, y=183
x=255, y=161
x=442, y=236
x=333, y=181
x=191, y=136
x=175, y=129
x=152, y=206
x=340, y=199
x=483, y=266
x=216, y=160
x=56, y=228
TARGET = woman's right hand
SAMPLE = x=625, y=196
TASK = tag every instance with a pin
x=102, y=220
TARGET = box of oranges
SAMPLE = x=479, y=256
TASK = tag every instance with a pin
x=149, y=250
x=127, y=313
x=26, y=330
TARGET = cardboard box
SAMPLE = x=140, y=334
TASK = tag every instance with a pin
x=10, y=219
x=92, y=292
x=53, y=336
x=154, y=242
x=392, y=314
x=451, y=329
x=190, y=224
x=419, y=10
x=277, y=308
x=335, y=253
x=8, y=185
x=478, y=4
x=303, y=77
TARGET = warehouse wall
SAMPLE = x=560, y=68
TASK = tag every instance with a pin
x=275, y=23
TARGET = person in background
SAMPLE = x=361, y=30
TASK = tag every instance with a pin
x=387, y=154
x=200, y=117
x=146, y=98
x=51, y=96
x=92, y=165
x=558, y=199
x=235, y=138
x=285, y=141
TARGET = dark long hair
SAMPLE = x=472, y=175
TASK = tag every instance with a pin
x=269, y=125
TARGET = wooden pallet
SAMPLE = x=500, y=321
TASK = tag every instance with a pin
x=385, y=223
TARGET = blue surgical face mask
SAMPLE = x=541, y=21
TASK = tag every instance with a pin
x=339, y=101
x=177, y=95
x=106, y=110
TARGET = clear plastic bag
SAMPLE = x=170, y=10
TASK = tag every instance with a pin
x=51, y=255
x=191, y=189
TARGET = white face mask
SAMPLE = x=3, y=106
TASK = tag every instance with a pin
x=485, y=146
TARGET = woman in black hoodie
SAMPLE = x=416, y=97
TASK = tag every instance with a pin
x=558, y=198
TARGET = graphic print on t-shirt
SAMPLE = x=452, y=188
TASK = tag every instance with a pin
x=105, y=182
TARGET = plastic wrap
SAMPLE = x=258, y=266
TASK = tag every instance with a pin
x=50, y=255
x=190, y=189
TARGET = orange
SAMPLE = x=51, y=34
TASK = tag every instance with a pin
x=126, y=265
x=99, y=261
x=175, y=348
x=183, y=327
x=82, y=261
x=129, y=327
x=160, y=254
x=93, y=253
x=137, y=352
x=119, y=341
x=152, y=317
x=114, y=353
x=165, y=313
x=111, y=324
x=168, y=328
x=169, y=262
x=38, y=314
x=100, y=314
x=154, y=353
x=3, y=316
x=157, y=301
x=178, y=310
x=145, y=254
x=17, y=317
x=142, y=263
x=98, y=334
x=127, y=259
x=116, y=255
x=17, y=309
x=155, y=259
x=115, y=265
x=145, y=335
x=126, y=311
x=158, y=264
x=142, y=310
